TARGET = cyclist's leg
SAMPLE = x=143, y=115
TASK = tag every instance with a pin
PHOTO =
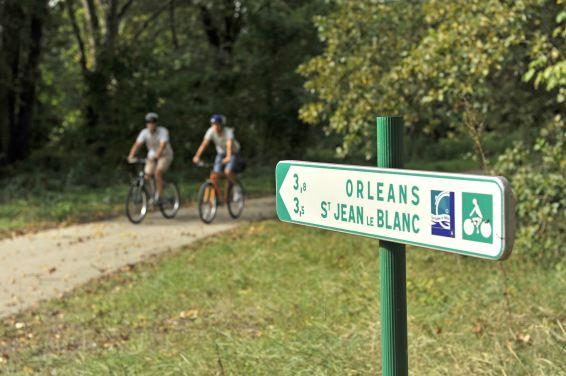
x=216, y=172
x=229, y=171
x=230, y=167
x=162, y=166
x=149, y=170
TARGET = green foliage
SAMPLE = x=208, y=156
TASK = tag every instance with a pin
x=548, y=63
x=537, y=174
x=35, y=200
x=432, y=62
x=184, y=60
x=346, y=81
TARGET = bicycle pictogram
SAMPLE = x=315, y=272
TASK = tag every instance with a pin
x=478, y=225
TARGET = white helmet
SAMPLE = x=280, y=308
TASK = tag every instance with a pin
x=151, y=116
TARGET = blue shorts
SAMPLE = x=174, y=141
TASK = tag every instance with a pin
x=219, y=167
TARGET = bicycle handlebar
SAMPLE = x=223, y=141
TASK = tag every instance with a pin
x=137, y=161
x=202, y=164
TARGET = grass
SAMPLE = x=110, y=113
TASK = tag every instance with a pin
x=34, y=209
x=276, y=299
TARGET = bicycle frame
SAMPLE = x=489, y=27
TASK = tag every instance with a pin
x=142, y=179
x=222, y=175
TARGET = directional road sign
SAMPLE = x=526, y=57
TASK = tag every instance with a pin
x=458, y=213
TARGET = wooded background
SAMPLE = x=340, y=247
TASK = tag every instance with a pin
x=296, y=79
x=77, y=77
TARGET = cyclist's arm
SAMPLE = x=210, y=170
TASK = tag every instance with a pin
x=229, y=143
x=162, y=146
x=134, y=150
x=200, y=150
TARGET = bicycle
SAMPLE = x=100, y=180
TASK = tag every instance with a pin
x=143, y=194
x=477, y=225
x=208, y=199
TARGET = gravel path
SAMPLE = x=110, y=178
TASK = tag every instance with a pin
x=46, y=264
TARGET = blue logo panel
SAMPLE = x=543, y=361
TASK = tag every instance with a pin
x=442, y=213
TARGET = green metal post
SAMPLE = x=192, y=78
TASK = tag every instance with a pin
x=392, y=263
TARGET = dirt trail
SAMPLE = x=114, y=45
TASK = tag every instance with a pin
x=40, y=266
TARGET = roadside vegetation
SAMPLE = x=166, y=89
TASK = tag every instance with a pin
x=271, y=298
x=49, y=203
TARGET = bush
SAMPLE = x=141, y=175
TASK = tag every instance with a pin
x=536, y=174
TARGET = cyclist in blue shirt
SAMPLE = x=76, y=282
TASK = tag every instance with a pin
x=227, y=151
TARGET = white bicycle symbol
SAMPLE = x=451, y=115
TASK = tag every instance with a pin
x=476, y=223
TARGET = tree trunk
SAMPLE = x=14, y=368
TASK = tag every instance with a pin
x=3, y=89
x=30, y=77
x=97, y=59
x=12, y=23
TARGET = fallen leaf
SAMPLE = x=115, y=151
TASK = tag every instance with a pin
x=523, y=338
x=478, y=329
x=191, y=314
x=257, y=333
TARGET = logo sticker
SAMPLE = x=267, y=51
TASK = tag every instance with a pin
x=477, y=214
x=442, y=213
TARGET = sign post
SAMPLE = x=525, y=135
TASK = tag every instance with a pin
x=466, y=214
x=392, y=263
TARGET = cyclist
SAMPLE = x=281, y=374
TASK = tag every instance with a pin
x=159, y=151
x=227, y=151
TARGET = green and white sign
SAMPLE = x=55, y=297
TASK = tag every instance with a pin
x=458, y=213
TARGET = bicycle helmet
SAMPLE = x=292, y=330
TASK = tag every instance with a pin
x=217, y=118
x=151, y=116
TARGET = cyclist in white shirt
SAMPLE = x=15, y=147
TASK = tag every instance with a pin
x=227, y=151
x=159, y=151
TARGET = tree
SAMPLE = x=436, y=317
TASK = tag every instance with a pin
x=432, y=62
x=21, y=34
x=98, y=53
x=107, y=62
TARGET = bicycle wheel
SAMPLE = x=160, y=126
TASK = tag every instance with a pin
x=136, y=203
x=207, y=202
x=171, y=200
x=236, y=200
x=469, y=227
x=485, y=229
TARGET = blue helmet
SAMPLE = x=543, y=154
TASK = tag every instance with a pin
x=217, y=118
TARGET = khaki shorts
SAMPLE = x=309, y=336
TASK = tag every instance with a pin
x=162, y=164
